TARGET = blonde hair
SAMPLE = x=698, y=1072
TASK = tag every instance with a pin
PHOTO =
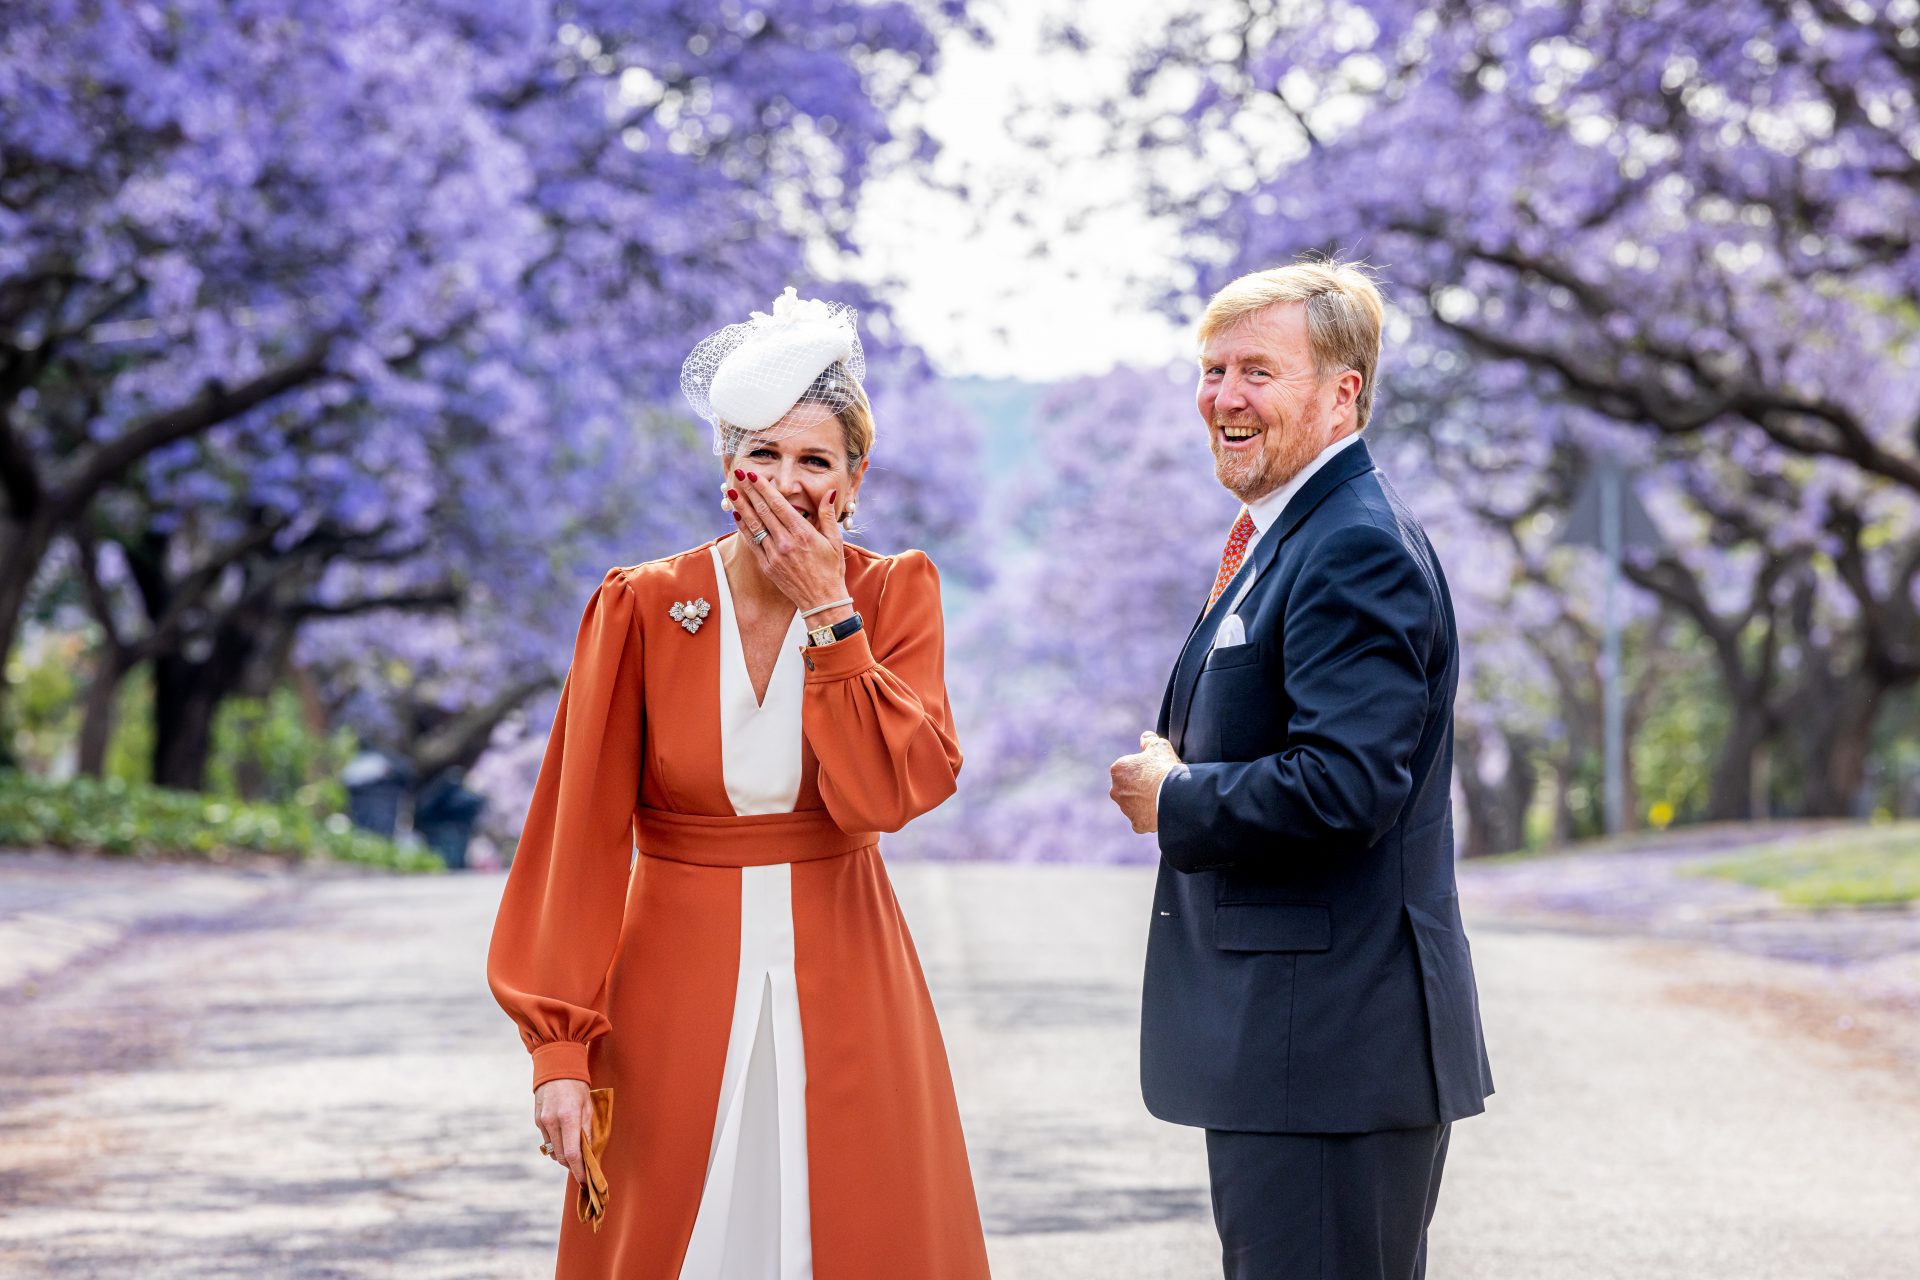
x=856, y=421
x=1344, y=315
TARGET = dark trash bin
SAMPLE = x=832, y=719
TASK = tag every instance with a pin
x=444, y=814
x=376, y=784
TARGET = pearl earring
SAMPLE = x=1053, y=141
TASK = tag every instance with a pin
x=726, y=503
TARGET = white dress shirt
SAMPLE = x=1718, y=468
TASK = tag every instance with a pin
x=1266, y=512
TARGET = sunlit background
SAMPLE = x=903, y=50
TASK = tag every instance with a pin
x=338, y=354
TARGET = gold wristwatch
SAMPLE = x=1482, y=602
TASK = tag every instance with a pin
x=834, y=631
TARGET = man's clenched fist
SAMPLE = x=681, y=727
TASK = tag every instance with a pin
x=1136, y=781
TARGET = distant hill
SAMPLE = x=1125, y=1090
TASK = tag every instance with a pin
x=1005, y=408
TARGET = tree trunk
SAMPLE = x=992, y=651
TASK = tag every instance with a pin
x=1515, y=795
x=185, y=699
x=96, y=727
x=187, y=694
x=1496, y=811
x=1731, y=795
x=23, y=549
x=1836, y=747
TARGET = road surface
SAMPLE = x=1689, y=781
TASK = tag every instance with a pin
x=216, y=1073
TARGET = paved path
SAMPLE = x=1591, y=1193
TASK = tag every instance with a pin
x=272, y=1075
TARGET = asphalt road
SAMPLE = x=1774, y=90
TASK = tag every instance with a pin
x=218, y=1074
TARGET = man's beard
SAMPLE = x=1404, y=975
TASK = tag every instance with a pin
x=1245, y=477
x=1252, y=477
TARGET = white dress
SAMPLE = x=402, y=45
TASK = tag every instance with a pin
x=753, y=1222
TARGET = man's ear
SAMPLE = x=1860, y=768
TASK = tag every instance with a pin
x=1346, y=392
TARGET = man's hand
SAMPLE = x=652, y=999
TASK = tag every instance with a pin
x=1136, y=781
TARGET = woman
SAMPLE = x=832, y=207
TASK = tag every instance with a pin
x=749, y=715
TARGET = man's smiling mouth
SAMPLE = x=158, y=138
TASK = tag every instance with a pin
x=1238, y=434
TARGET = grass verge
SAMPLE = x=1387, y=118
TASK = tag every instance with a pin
x=1851, y=867
x=142, y=821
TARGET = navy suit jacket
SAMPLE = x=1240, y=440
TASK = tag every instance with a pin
x=1307, y=970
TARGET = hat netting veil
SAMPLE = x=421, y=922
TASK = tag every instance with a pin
x=745, y=378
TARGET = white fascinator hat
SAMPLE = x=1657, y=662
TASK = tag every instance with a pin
x=746, y=377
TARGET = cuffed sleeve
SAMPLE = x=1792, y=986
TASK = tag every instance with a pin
x=875, y=710
x=1359, y=634
x=560, y=913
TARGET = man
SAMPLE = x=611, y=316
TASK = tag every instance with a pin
x=1309, y=992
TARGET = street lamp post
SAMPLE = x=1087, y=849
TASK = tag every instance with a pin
x=1606, y=515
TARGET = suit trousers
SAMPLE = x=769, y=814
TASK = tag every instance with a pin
x=1325, y=1206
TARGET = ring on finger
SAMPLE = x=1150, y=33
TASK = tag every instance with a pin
x=760, y=536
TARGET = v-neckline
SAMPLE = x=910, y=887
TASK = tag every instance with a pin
x=724, y=586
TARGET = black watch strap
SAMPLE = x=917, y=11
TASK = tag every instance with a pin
x=846, y=627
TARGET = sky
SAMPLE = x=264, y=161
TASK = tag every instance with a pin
x=1044, y=268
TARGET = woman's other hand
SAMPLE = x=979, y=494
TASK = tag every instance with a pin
x=563, y=1113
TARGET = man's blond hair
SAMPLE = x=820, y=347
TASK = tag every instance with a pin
x=1344, y=314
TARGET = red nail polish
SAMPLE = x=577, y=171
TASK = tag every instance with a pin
x=738, y=474
x=753, y=477
x=732, y=496
x=832, y=496
x=736, y=517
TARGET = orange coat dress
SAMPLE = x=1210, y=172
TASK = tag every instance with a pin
x=746, y=983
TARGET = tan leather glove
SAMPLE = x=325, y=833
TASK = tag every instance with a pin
x=590, y=1198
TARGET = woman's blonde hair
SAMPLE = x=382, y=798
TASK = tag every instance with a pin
x=1344, y=315
x=856, y=423
x=856, y=420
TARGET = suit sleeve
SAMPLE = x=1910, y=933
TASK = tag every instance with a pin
x=1359, y=630
x=560, y=913
x=875, y=710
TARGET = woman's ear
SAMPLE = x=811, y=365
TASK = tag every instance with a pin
x=853, y=491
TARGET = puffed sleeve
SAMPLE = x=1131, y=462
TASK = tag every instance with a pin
x=560, y=914
x=875, y=710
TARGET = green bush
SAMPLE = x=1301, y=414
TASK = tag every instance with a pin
x=141, y=820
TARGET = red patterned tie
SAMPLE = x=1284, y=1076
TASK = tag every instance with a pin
x=1230, y=558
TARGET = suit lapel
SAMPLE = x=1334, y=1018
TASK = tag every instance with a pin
x=1186, y=672
x=1351, y=461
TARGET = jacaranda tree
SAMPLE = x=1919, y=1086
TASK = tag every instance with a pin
x=384, y=288
x=1691, y=221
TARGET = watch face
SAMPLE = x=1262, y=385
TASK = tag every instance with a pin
x=821, y=635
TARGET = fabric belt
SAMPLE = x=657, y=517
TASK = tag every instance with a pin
x=751, y=840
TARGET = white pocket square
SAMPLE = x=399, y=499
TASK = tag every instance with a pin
x=1232, y=632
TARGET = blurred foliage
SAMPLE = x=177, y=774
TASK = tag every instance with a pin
x=1673, y=740
x=264, y=749
x=1674, y=750
x=139, y=820
x=43, y=703
x=130, y=749
x=1864, y=866
x=1893, y=768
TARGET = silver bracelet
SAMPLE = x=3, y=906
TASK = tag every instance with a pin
x=822, y=608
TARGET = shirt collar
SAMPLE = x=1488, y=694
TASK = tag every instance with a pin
x=1267, y=510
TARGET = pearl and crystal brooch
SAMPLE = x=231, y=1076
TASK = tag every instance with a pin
x=690, y=614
